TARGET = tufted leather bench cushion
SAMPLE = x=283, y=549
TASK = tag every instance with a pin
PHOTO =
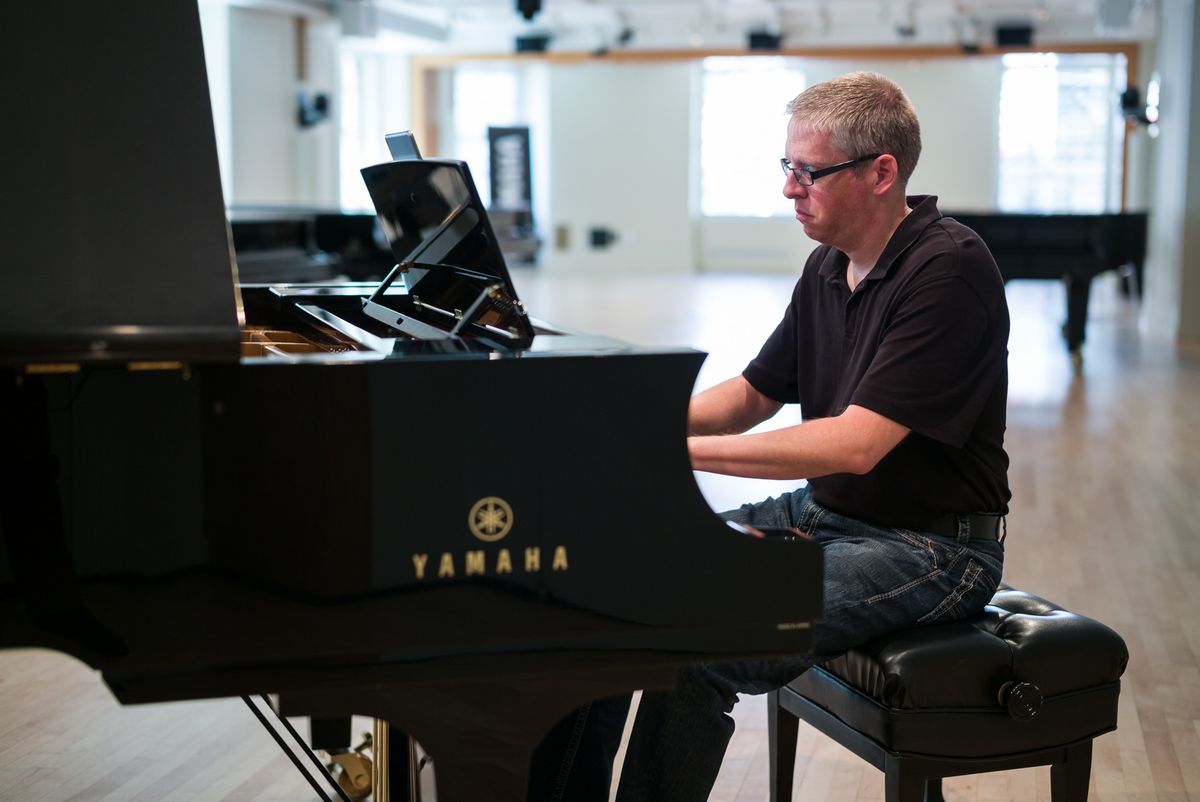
x=938, y=690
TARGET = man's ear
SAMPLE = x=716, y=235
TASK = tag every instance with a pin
x=885, y=173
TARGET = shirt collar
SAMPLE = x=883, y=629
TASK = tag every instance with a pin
x=924, y=211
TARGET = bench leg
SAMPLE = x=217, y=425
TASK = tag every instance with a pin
x=782, y=731
x=1069, y=779
x=933, y=790
x=903, y=782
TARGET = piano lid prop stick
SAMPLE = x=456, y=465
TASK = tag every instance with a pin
x=291, y=752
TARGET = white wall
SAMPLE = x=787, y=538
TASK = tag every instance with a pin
x=315, y=153
x=262, y=53
x=536, y=114
x=381, y=105
x=618, y=160
x=1172, y=293
x=957, y=102
x=1189, y=267
x=214, y=26
x=253, y=58
x=742, y=245
x=1139, y=175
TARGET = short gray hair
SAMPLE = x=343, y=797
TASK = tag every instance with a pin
x=863, y=113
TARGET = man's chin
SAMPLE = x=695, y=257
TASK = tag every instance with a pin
x=816, y=233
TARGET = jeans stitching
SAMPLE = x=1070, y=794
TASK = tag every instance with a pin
x=967, y=584
x=955, y=556
x=907, y=586
x=818, y=514
x=923, y=543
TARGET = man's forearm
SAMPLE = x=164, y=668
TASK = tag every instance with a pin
x=792, y=453
x=853, y=442
x=730, y=407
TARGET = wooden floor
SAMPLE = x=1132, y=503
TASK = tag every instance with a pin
x=1106, y=481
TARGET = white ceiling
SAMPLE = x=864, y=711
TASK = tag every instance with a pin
x=590, y=25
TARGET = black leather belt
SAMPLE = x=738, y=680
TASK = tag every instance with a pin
x=984, y=526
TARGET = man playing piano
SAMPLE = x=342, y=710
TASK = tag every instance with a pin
x=895, y=346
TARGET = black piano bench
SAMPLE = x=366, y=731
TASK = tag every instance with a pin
x=1023, y=683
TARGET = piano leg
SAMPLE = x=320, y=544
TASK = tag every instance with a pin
x=1131, y=280
x=1079, y=287
x=396, y=773
x=381, y=766
x=406, y=771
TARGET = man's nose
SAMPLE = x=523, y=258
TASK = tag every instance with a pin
x=793, y=188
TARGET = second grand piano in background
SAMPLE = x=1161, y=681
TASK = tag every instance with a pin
x=218, y=490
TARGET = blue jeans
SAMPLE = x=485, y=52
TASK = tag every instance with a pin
x=876, y=580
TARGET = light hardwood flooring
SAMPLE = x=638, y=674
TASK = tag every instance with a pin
x=1106, y=483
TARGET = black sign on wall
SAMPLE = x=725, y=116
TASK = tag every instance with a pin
x=509, y=173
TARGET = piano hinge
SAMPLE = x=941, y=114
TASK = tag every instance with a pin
x=52, y=367
x=159, y=365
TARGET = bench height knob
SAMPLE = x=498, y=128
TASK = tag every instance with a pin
x=1022, y=700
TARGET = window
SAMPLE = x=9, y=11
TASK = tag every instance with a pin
x=484, y=95
x=1061, y=132
x=351, y=190
x=372, y=102
x=742, y=131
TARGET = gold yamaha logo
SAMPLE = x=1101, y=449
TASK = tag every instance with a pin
x=491, y=519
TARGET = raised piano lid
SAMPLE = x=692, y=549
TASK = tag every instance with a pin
x=116, y=246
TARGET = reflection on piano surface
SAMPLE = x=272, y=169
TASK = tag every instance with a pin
x=408, y=501
x=299, y=244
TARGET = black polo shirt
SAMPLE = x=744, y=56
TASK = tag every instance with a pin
x=922, y=340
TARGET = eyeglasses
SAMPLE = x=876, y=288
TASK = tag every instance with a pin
x=805, y=177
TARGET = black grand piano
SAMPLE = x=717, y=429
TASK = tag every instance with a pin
x=1072, y=248
x=409, y=501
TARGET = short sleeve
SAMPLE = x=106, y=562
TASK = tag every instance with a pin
x=773, y=372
